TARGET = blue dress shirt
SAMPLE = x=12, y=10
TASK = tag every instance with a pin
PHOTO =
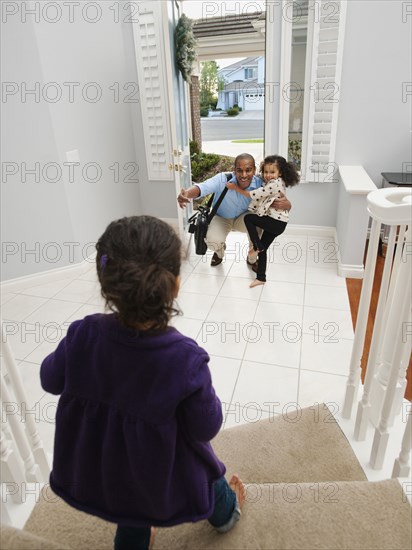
x=234, y=204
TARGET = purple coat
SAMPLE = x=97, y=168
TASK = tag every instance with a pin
x=133, y=424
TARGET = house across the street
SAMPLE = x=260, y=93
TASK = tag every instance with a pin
x=244, y=85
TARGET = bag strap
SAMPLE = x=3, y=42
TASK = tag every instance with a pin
x=229, y=176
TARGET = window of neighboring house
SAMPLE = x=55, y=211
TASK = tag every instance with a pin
x=250, y=73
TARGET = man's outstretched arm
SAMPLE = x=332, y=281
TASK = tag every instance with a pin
x=185, y=195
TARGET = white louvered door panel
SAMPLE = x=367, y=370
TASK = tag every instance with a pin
x=323, y=83
x=151, y=70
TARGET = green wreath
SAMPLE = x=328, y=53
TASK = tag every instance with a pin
x=185, y=45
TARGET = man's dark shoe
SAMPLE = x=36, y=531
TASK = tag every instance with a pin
x=216, y=260
x=255, y=266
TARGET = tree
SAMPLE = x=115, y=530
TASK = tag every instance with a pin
x=208, y=83
x=221, y=83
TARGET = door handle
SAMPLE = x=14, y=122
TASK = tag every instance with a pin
x=177, y=168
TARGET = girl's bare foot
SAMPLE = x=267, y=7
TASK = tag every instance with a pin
x=152, y=537
x=256, y=282
x=239, y=487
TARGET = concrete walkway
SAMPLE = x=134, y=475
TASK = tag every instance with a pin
x=251, y=115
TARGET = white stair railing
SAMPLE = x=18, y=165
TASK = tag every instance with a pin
x=11, y=466
x=401, y=466
x=27, y=442
x=390, y=348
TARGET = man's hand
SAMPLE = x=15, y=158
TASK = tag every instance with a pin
x=231, y=185
x=282, y=203
x=182, y=198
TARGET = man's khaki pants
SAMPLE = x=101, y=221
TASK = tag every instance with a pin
x=219, y=229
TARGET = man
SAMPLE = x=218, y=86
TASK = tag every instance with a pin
x=230, y=214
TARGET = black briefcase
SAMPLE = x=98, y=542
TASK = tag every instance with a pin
x=199, y=222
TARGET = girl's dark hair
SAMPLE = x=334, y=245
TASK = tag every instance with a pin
x=288, y=171
x=138, y=261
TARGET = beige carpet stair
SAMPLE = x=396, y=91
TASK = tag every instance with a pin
x=304, y=446
x=306, y=490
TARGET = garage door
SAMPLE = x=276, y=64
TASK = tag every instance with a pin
x=254, y=101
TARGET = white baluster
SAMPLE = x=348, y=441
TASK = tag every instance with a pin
x=361, y=321
x=30, y=467
x=33, y=436
x=393, y=352
x=402, y=263
x=364, y=405
x=401, y=466
x=395, y=268
x=402, y=381
x=11, y=471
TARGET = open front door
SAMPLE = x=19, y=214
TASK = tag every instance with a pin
x=178, y=94
x=164, y=99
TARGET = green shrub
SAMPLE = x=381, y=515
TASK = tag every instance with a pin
x=203, y=163
x=233, y=111
x=295, y=152
x=206, y=165
x=204, y=111
x=194, y=148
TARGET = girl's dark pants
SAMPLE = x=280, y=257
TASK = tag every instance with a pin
x=271, y=229
x=224, y=516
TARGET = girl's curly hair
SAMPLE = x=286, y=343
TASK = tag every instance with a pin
x=138, y=260
x=288, y=171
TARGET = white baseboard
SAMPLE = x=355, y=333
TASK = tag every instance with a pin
x=351, y=271
x=310, y=230
x=348, y=271
x=19, y=283
x=34, y=279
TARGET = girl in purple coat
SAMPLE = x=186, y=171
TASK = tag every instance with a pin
x=137, y=409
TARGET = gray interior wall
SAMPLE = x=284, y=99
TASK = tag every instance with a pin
x=374, y=122
x=42, y=131
x=28, y=209
x=314, y=204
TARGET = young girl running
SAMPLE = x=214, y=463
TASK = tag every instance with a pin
x=277, y=174
x=137, y=409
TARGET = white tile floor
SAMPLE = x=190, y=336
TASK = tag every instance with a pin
x=285, y=344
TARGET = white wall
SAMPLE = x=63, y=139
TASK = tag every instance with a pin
x=374, y=123
x=314, y=204
x=40, y=131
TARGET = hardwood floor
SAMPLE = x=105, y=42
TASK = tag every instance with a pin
x=354, y=287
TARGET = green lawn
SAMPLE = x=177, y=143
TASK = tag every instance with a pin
x=248, y=140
